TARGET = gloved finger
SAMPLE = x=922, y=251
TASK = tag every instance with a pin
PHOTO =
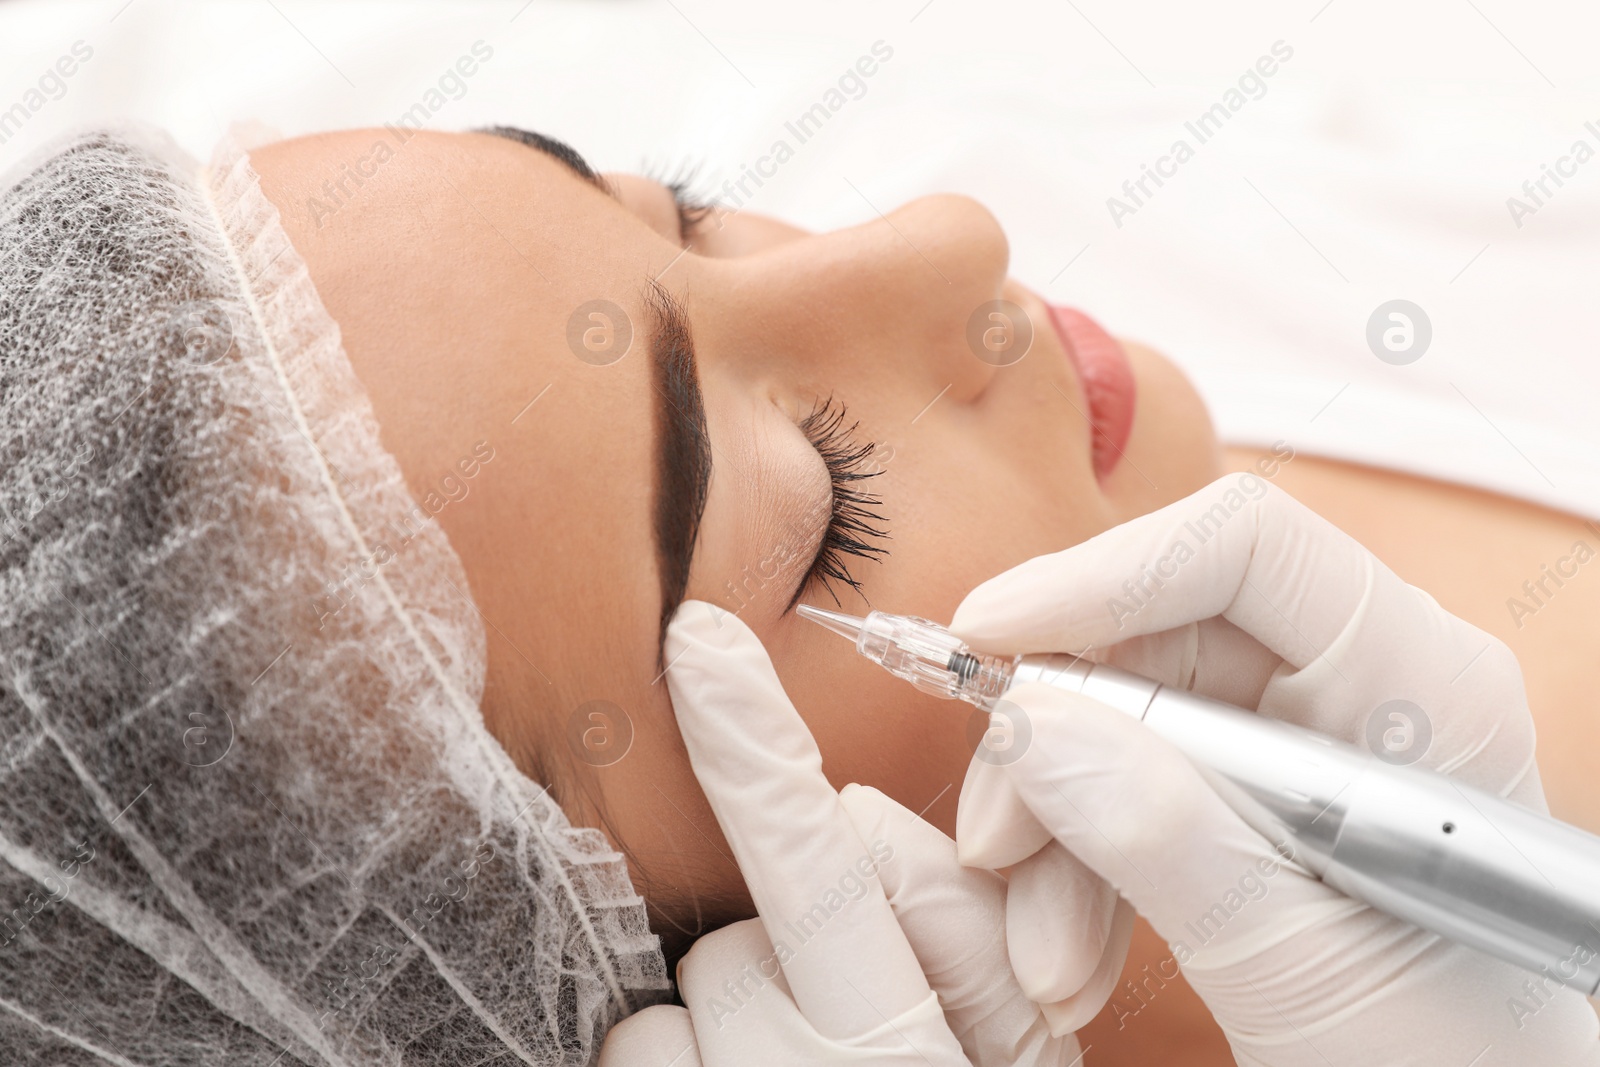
x=795, y=845
x=659, y=1036
x=1342, y=644
x=737, y=994
x=1137, y=812
x=744, y=1012
x=955, y=918
x=1073, y=1013
x=1296, y=974
x=1053, y=900
x=1414, y=684
x=994, y=828
x=1238, y=549
x=1067, y=934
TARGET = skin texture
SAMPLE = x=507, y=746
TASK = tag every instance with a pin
x=453, y=272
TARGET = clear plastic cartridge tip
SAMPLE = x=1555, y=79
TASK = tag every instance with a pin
x=922, y=652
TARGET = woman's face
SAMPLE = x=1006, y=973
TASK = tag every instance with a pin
x=485, y=289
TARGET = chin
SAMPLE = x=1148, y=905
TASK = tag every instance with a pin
x=1173, y=443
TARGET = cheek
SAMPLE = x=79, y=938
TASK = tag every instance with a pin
x=872, y=728
x=963, y=509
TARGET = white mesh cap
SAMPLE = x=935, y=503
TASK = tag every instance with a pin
x=249, y=811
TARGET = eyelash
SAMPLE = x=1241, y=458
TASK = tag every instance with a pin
x=692, y=210
x=854, y=521
x=693, y=207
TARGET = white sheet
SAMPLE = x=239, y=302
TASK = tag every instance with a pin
x=1376, y=166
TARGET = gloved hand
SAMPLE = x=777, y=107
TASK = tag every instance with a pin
x=1243, y=594
x=874, y=945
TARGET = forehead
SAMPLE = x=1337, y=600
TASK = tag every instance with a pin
x=486, y=294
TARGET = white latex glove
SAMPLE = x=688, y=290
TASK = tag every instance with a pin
x=1267, y=606
x=874, y=945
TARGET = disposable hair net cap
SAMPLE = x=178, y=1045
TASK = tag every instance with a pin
x=249, y=811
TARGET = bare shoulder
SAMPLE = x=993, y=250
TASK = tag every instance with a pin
x=1525, y=573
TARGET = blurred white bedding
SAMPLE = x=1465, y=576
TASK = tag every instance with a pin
x=1374, y=163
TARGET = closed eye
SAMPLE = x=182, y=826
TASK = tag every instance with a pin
x=692, y=211
x=693, y=207
x=855, y=522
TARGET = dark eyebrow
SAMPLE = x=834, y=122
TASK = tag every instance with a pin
x=683, y=450
x=559, y=151
x=682, y=447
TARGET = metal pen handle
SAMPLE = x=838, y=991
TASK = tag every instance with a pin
x=1411, y=842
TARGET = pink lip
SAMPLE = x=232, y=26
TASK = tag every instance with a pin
x=1107, y=384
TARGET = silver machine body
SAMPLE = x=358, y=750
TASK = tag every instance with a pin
x=1411, y=842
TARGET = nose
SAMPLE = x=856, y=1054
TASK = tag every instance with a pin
x=889, y=299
